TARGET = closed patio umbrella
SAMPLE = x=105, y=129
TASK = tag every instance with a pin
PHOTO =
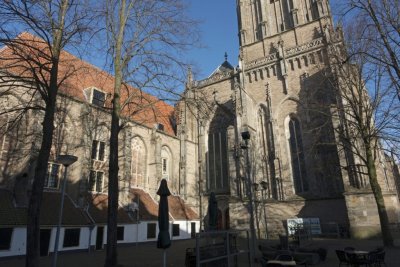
x=164, y=240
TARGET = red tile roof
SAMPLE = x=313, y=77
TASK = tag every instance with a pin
x=11, y=215
x=79, y=75
x=148, y=207
x=98, y=205
x=72, y=215
x=179, y=210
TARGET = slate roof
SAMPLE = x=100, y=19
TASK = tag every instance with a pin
x=10, y=215
x=224, y=67
x=98, y=205
x=80, y=75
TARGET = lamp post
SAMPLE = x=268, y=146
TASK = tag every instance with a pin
x=264, y=186
x=246, y=137
x=256, y=206
x=65, y=160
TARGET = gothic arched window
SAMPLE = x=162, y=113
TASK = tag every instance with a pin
x=217, y=162
x=166, y=163
x=138, y=165
x=297, y=156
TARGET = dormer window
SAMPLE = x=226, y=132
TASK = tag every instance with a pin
x=159, y=126
x=98, y=98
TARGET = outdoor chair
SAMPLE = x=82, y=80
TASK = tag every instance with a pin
x=342, y=257
x=372, y=258
x=357, y=260
x=380, y=258
x=274, y=265
x=284, y=257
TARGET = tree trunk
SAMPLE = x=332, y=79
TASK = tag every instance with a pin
x=113, y=188
x=376, y=189
x=33, y=220
x=113, y=192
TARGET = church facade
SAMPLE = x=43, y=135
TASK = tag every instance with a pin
x=263, y=132
x=271, y=120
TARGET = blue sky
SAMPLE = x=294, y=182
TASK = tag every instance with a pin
x=219, y=35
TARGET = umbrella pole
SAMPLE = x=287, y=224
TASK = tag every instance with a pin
x=165, y=258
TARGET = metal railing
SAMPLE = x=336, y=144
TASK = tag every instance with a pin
x=220, y=248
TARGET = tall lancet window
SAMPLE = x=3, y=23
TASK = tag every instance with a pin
x=138, y=163
x=217, y=162
x=297, y=156
x=267, y=152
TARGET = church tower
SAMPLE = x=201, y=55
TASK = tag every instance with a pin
x=282, y=99
x=284, y=48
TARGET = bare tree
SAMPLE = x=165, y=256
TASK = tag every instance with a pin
x=145, y=42
x=379, y=22
x=32, y=64
x=368, y=112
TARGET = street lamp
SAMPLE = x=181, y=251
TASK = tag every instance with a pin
x=256, y=206
x=246, y=137
x=65, y=160
x=264, y=186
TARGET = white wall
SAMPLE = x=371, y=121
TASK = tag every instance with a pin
x=83, y=239
x=129, y=233
x=18, y=241
x=133, y=233
x=185, y=229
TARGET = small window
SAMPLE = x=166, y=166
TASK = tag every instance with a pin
x=159, y=126
x=52, y=175
x=175, y=230
x=96, y=181
x=164, y=166
x=120, y=233
x=98, y=148
x=151, y=230
x=98, y=98
x=71, y=237
x=5, y=238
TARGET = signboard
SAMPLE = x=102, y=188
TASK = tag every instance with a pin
x=311, y=225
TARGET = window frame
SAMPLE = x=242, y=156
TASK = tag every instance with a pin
x=49, y=174
x=96, y=100
x=98, y=150
x=6, y=236
x=94, y=184
x=297, y=157
x=217, y=162
x=120, y=233
x=164, y=167
x=176, y=230
x=73, y=241
x=153, y=233
x=138, y=163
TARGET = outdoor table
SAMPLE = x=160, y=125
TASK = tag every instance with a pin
x=360, y=253
x=283, y=263
x=358, y=257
